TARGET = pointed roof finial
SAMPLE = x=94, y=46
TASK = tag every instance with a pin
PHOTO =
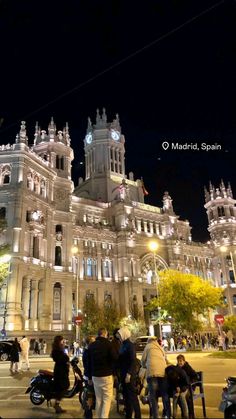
x=89, y=127
x=23, y=134
x=104, y=116
x=98, y=116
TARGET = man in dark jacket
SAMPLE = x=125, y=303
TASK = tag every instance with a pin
x=127, y=364
x=101, y=356
x=178, y=383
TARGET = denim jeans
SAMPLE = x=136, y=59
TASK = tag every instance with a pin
x=157, y=386
x=181, y=397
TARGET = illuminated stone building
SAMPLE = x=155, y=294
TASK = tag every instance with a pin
x=105, y=217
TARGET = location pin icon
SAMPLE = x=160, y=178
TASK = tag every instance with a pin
x=165, y=145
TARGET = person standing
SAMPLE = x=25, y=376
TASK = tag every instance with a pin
x=101, y=356
x=88, y=413
x=61, y=370
x=36, y=347
x=24, y=345
x=172, y=344
x=127, y=364
x=154, y=360
x=14, y=356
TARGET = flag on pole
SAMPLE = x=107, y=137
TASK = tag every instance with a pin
x=145, y=192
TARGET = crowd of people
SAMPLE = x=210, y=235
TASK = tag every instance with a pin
x=112, y=362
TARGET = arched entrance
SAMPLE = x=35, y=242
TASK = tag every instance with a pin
x=150, y=268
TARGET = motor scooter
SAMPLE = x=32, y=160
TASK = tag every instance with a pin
x=42, y=385
x=228, y=402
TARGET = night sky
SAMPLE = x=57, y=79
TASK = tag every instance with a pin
x=166, y=67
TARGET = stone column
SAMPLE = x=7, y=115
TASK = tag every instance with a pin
x=26, y=301
x=33, y=321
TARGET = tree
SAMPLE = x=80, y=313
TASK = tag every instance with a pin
x=93, y=316
x=96, y=316
x=185, y=297
x=230, y=324
x=4, y=266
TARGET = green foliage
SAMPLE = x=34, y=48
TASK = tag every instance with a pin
x=230, y=324
x=4, y=249
x=185, y=297
x=137, y=327
x=96, y=316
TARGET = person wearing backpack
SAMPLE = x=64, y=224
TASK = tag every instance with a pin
x=128, y=373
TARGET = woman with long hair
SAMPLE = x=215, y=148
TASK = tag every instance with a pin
x=61, y=370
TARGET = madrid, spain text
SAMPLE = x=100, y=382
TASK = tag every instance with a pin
x=191, y=146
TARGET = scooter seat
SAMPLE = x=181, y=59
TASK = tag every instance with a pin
x=46, y=372
x=233, y=379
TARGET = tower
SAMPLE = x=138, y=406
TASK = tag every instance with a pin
x=54, y=148
x=105, y=163
x=221, y=213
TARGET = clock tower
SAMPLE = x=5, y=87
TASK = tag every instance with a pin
x=105, y=162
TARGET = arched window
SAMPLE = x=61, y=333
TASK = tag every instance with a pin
x=221, y=211
x=57, y=301
x=6, y=178
x=58, y=256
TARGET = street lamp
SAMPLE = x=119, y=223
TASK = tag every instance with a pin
x=3, y=260
x=153, y=246
x=75, y=253
x=225, y=249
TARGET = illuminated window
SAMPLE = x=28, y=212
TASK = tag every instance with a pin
x=89, y=267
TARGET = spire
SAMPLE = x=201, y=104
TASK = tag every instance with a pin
x=89, y=126
x=36, y=133
x=23, y=135
x=222, y=188
x=229, y=191
x=98, y=117
x=104, y=116
x=207, y=195
x=67, y=134
x=52, y=130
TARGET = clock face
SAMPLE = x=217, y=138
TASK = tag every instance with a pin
x=115, y=135
x=88, y=138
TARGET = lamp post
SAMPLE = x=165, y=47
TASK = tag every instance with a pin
x=225, y=249
x=153, y=246
x=75, y=252
x=3, y=260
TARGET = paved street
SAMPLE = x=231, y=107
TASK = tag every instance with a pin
x=15, y=404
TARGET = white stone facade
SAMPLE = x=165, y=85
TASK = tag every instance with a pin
x=105, y=217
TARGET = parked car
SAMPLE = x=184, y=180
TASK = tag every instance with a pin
x=141, y=342
x=5, y=349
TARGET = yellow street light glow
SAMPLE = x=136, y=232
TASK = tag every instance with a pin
x=153, y=246
x=74, y=250
x=5, y=258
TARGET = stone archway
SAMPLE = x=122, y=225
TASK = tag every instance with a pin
x=149, y=268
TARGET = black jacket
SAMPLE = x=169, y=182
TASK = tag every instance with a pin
x=61, y=370
x=127, y=359
x=177, y=377
x=191, y=373
x=14, y=353
x=101, y=357
x=85, y=359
